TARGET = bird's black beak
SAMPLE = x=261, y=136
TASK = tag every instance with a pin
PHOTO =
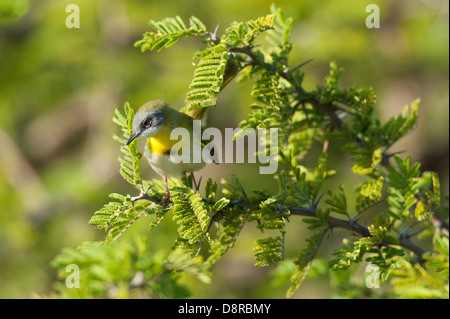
x=132, y=137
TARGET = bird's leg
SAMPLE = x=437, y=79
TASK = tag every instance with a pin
x=166, y=197
x=196, y=186
x=142, y=195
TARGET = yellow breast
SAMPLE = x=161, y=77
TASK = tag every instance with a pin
x=159, y=146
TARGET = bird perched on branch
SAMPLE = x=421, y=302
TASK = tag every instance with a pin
x=154, y=122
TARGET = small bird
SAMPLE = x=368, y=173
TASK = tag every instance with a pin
x=154, y=122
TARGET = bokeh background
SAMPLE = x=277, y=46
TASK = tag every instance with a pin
x=59, y=88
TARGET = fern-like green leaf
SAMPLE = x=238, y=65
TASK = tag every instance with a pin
x=208, y=78
x=397, y=127
x=279, y=36
x=117, y=216
x=180, y=260
x=168, y=32
x=129, y=162
x=103, y=218
x=369, y=194
x=226, y=234
x=403, y=186
x=255, y=27
x=304, y=261
x=337, y=201
x=268, y=251
x=352, y=252
x=191, y=217
x=416, y=282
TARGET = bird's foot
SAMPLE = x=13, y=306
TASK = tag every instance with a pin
x=166, y=198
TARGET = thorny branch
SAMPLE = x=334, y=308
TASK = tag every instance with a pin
x=333, y=222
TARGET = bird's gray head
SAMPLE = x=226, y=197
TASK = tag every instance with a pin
x=148, y=119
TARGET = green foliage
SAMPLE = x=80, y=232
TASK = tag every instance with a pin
x=11, y=10
x=303, y=262
x=208, y=78
x=207, y=227
x=210, y=71
x=179, y=260
x=423, y=281
x=370, y=193
x=244, y=33
x=268, y=251
x=191, y=216
x=116, y=216
x=129, y=163
x=125, y=270
x=168, y=32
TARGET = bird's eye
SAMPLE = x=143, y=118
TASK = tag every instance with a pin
x=146, y=123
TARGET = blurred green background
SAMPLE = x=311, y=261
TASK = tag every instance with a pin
x=59, y=88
